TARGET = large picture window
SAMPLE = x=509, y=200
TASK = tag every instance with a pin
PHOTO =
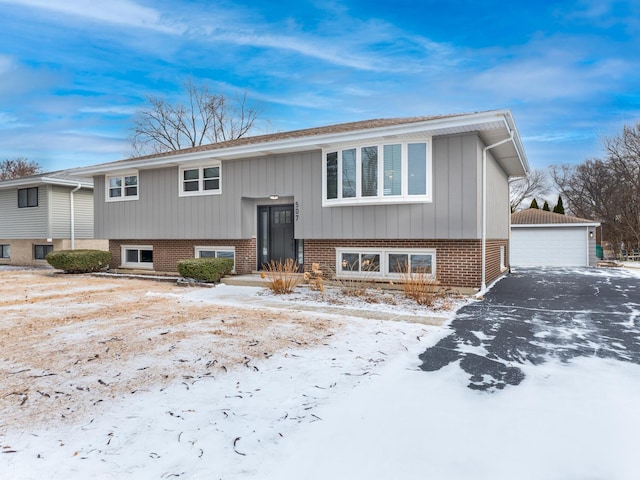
x=379, y=173
x=384, y=263
x=200, y=180
x=27, y=197
x=122, y=187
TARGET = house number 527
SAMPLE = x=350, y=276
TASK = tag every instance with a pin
x=297, y=212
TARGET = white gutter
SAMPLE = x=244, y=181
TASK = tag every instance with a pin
x=19, y=182
x=483, y=286
x=73, y=216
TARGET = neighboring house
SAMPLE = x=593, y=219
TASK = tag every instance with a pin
x=541, y=238
x=41, y=213
x=362, y=199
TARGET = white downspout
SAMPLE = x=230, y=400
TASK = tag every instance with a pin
x=483, y=287
x=73, y=217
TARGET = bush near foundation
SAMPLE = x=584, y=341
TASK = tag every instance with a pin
x=205, y=269
x=79, y=261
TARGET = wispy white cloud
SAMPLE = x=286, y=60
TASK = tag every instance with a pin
x=116, y=12
x=115, y=110
x=9, y=121
x=550, y=69
x=7, y=64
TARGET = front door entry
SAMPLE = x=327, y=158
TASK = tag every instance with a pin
x=276, y=241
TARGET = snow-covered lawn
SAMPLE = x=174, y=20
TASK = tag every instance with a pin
x=304, y=394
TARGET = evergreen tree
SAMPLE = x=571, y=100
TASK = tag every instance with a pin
x=559, y=208
x=534, y=204
x=546, y=207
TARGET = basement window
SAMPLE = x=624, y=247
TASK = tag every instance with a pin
x=217, y=252
x=137, y=256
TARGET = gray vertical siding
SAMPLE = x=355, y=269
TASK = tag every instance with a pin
x=161, y=214
x=29, y=222
x=497, y=200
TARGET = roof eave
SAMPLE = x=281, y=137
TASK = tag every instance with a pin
x=20, y=182
x=545, y=225
x=317, y=142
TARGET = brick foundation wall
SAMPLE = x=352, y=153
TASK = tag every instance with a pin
x=458, y=262
x=167, y=253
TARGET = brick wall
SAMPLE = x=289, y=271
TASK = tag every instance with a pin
x=167, y=253
x=458, y=262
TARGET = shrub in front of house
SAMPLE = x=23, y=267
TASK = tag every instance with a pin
x=205, y=269
x=79, y=261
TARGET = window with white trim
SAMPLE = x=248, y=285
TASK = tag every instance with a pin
x=384, y=263
x=137, y=256
x=377, y=173
x=122, y=187
x=200, y=180
x=5, y=251
x=217, y=252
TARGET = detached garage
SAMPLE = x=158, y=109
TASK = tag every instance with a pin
x=540, y=238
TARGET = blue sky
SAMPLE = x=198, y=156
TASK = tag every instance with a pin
x=73, y=72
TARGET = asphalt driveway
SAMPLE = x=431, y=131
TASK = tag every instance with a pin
x=539, y=314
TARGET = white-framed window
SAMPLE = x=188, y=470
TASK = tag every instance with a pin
x=5, y=251
x=122, y=187
x=137, y=256
x=377, y=173
x=384, y=263
x=41, y=251
x=200, y=180
x=217, y=252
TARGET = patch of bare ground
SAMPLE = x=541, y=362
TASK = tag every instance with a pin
x=69, y=345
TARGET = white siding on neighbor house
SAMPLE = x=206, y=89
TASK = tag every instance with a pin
x=61, y=212
x=160, y=213
x=30, y=222
x=550, y=246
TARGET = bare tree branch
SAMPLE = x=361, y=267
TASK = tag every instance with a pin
x=206, y=117
x=608, y=189
x=18, y=167
x=522, y=188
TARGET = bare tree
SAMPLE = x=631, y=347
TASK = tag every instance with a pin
x=204, y=118
x=608, y=190
x=18, y=167
x=535, y=184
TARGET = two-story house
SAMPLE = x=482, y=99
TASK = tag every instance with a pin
x=363, y=199
x=41, y=213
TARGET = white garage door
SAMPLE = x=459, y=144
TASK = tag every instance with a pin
x=556, y=246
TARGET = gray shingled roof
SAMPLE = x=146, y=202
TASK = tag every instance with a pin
x=534, y=216
x=307, y=132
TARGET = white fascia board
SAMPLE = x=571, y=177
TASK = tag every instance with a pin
x=20, y=182
x=302, y=143
x=517, y=142
x=552, y=225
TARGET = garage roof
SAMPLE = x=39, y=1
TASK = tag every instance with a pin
x=535, y=216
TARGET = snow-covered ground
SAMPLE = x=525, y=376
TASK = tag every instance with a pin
x=352, y=406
